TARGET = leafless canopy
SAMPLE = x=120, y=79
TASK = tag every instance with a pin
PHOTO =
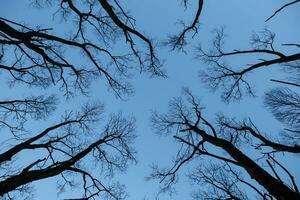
x=232, y=79
x=62, y=150
x=41, y=57
x=226, y=144
x=234, y=159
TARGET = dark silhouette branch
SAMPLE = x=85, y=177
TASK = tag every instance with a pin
x=281, y=8
x=231, y=80
x=285, y=82
x=265, y=142
x=179, y=41
x=181, y=117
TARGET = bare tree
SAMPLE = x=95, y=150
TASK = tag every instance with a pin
x=227, y=143
x=40, y=56
x=233, y=80
x=81, y=141
x=37, y=56
x=234, y=159
x=62, y=152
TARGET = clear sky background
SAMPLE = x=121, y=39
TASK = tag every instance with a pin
x=157, y=18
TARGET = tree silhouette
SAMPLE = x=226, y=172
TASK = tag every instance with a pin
x=43, y=57
x=201, y=138
x=234, y=158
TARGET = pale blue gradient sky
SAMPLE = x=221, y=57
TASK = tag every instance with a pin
x=156, y=18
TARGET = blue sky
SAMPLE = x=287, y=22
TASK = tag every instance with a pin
x=157, y=19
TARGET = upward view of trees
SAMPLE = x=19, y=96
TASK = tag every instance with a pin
x=232, y=158
x=37, y=57
x=238, y=159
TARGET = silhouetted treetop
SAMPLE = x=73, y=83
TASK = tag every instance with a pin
x=42, y=57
